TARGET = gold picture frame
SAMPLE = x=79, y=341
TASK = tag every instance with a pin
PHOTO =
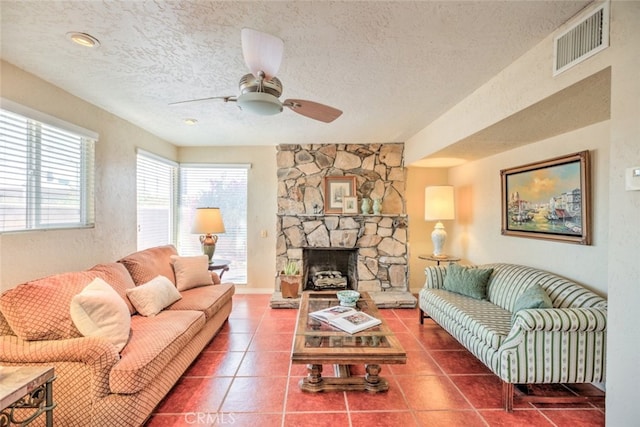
x=335, y=189
x=549, y=200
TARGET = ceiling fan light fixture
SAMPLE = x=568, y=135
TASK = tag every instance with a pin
x=83, y=39
x=260, y=103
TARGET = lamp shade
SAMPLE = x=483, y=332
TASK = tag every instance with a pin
x=207, y=221
x=438, y=203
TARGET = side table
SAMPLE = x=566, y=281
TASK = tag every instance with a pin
x=219, y=264
x=439, y=259
x=26, y=387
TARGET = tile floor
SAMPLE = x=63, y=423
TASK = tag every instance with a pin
x=244, y=378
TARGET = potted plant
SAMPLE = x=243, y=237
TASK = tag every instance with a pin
x=290, y=280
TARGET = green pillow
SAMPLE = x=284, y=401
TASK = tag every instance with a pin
x=534, y=297
x=471, y=282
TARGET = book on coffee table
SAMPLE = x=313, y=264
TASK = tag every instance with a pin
x=346, y=318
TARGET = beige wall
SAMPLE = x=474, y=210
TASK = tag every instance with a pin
x=623, y=341
x=29, y=255
x=262, y=206
x=611, y=266
x=33, y=254
x=475, y=235
x=419, y=229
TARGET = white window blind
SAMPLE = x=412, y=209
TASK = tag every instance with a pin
x=156, y=199
x=46, y=173
x=224, y=187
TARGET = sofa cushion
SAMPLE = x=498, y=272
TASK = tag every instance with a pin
x=39, y=310
x=207, y=299
x=149, y=263
x=154, y=342
x=118, y=277
x=150, y=298
x=191, y=271
x=98, y=311
x=489, y=322
x=469, y=281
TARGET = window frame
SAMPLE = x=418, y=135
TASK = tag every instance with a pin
x=35, y=123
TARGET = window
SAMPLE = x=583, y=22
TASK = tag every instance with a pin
x=46, y=171
x=225, y=187
x=156, y=194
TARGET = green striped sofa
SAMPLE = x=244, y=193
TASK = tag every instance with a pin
x=563, y=344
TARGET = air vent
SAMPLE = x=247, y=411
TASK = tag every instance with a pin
x=583, y=39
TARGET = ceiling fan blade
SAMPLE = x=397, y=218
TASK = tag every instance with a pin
x=224, y=98
x=262, y=52
x=313, y=110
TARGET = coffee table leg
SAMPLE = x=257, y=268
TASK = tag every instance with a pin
x=373, y=381
x=313, y=381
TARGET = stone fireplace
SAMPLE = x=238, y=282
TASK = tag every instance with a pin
x=374, y=246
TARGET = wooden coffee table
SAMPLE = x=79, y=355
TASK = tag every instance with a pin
x=317, y=343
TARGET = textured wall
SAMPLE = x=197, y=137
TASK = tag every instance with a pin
x=612, y=265
x=33, y=254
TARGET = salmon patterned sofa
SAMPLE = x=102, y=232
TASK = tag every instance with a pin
x=556, y=336
x=106, y=381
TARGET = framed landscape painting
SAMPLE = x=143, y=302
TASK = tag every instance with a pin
x=549, y=200
x=336, y=188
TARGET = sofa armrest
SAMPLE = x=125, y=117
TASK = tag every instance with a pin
x=434, y=277
x=95, y=352
x=82, y=365
x=554, y=345
x=562, y=319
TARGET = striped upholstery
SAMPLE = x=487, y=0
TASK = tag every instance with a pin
x=96, y=386
x=563, y=344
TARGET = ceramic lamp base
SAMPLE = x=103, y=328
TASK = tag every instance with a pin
x=438, y=237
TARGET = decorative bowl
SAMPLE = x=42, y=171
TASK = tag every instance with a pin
x=348, y=298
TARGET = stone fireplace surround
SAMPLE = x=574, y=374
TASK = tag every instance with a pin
x=381, y=244
x=380, y=240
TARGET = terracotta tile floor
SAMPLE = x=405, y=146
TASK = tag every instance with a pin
x=244, y=378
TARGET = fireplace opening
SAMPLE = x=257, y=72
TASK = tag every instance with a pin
x=330, y=268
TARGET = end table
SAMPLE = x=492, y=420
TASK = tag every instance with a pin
x=26, y=387
x=438, y=259
x=219, y=264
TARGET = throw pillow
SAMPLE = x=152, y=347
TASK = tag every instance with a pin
x=147, y=264
x=468, y=281
x=98, y=311
x=118, y=277
x=152, y=297
x=533, y=297
x=191, y=271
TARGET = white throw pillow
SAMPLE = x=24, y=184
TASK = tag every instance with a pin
x=150, y=298
x=98, y=311
x=191, y=271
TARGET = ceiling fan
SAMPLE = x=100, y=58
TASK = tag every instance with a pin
x=260, y=89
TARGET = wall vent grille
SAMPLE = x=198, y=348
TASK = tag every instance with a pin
x=583, y=39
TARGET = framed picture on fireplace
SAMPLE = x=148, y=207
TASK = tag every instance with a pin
x=336, y=188
x=350, y=204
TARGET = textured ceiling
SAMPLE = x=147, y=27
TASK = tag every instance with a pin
x=392, y=67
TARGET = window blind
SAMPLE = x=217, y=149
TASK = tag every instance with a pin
x=224, y=187
x=156, y=182
x=46, y=175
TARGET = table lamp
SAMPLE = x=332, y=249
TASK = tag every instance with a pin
x=206, y=222
x=438, y=206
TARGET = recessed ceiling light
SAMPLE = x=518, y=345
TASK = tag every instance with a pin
x=83, y=39
x=190, y=122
